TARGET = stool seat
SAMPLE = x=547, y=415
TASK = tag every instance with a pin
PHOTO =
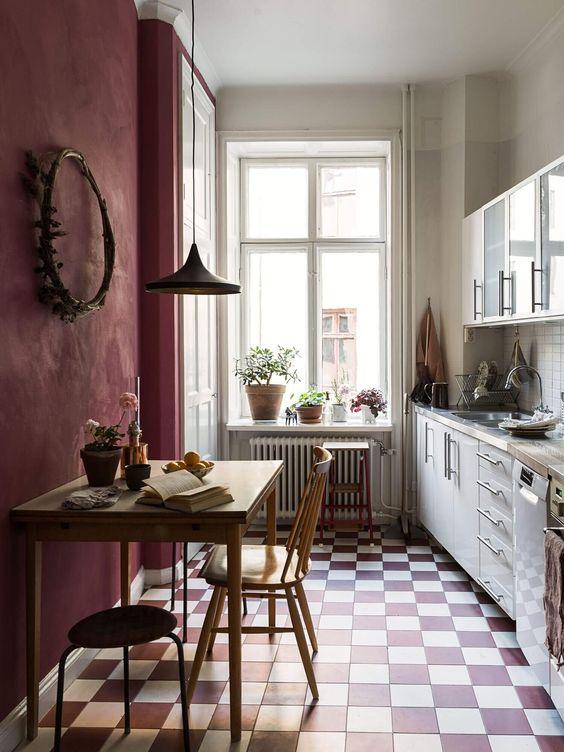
x=350, y=446
x=122, y=626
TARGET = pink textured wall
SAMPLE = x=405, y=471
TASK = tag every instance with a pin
x=69, y=78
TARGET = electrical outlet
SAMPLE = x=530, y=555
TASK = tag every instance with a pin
x=468, y=335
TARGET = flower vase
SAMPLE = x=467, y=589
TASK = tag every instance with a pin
x=368, y=417
x=339, y=413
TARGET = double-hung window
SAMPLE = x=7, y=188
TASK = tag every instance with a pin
x=313, y=257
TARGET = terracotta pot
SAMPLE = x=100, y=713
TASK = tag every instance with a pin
x=310, y=414
x=265, y=400
x=100, y=467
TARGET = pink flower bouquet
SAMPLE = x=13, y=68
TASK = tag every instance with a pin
x=372, y=398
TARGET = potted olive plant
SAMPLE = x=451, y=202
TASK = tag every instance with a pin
x=101, y=453
x=309, y=406
x=257, y=370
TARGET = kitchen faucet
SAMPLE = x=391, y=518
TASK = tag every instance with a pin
x=509, y=381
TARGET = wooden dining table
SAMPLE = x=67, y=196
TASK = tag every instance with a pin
x=252, y=485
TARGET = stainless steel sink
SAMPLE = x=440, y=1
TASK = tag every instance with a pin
x=492, y=418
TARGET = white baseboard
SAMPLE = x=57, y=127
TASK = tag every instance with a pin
x=13, y=726
x=164, y=576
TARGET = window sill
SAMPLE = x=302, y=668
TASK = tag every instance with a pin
x=352, y=428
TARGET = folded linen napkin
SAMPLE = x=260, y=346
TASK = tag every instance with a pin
x=554, y=595
x=92, y=498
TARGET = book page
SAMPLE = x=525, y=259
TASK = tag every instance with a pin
x=173, y=484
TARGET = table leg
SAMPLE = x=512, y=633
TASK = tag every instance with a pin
x=234, y=613
x=271, y=541
x=33, y=616
x=125, y=568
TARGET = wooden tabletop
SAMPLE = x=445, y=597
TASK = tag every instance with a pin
x=247, y=481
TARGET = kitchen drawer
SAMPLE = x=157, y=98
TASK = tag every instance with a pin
x=503, y=597
x=495, y=461
x=492, y=491
x=493, y=521
x=496, y=572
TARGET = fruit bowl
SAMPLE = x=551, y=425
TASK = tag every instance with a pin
x=191, y=462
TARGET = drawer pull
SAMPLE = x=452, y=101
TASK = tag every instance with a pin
x=486, y=585
x=489, y=459
x=488, y=488
x=487, y=515
x=486, y=542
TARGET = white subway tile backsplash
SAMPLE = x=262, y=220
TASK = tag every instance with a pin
x=543, y=348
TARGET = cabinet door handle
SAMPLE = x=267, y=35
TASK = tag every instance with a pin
x=487, y=543
x=445, y=455
x=450, y=471
x=488, y=488
x=486, y=585
x=534, y=271
x=489, y=459
x=501, y=280
x=487, y=515
x=427, y=429
x=475, y=288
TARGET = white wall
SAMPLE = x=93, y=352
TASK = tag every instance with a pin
x=532, y=112
x=308, y=108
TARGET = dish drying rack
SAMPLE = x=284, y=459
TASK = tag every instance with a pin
x=497, y=393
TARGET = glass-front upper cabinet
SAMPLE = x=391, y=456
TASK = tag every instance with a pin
x=523, y=250
x=552, y=238
x=494, y=260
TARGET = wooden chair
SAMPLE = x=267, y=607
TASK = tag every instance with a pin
x=267, y=570
x=121, y=628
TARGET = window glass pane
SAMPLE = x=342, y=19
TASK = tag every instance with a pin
x=352, y=286
x=350, y=201
x=278, y=306
x=277, y=201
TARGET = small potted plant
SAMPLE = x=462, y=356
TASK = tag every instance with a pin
x=371, y=402
x=309, y=406
x=341, y=390
x=101, y=453
x=256, y=371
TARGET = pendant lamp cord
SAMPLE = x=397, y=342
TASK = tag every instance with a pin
x=193, y=135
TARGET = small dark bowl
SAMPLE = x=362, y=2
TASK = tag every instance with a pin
x=135, y=475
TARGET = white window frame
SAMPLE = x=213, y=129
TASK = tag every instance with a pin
x=383, y=199
x=314, y=244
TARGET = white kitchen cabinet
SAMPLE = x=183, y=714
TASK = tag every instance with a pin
x=512, y=261
x=444, y=487
x=496, y=302
x=523, y=253
x=426, y=463
x=447, y=471
x=472, y=269
x=464, y=458
x=552, y=240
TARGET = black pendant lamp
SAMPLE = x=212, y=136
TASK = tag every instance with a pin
x=193, y=278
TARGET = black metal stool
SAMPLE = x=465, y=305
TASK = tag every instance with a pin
x=122, y=627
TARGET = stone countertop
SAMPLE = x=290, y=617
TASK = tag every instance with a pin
x=544, y=456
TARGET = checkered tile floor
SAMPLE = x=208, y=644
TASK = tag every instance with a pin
x=413, y=658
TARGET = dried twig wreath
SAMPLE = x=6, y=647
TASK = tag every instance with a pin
x=40, y=184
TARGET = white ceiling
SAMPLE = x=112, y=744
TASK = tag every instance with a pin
x=258, y=42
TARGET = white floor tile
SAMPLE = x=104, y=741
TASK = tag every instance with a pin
x=460, y=721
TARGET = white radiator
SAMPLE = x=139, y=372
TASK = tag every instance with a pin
x=297, y=454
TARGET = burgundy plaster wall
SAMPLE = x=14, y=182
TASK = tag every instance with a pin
x=69, y=78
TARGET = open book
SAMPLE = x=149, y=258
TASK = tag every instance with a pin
x=183, y=491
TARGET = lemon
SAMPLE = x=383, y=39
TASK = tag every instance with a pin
x=173, y=466
x=191, y=459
